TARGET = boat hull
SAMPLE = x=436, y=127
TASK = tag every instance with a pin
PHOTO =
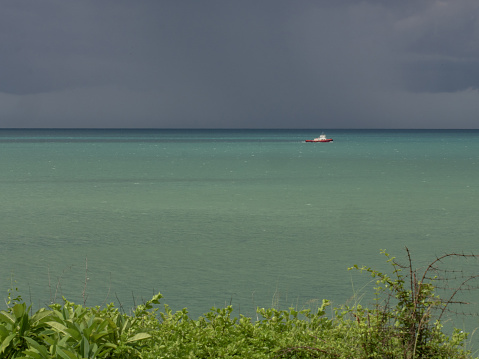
x=326, y=140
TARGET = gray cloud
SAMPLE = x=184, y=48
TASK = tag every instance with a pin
x=269, y=64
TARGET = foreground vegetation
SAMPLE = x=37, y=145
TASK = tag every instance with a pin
x=404, y=323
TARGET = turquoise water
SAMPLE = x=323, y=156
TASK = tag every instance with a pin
x=252, y=218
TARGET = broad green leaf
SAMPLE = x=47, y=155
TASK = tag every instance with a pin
x=126, y=326
x=110, y=345
x=19, y=309
x=103, y=324
x=78, y=327
x=94, y=349
x=38, y=316
x=85, y=347
x=58, y=315
x=95, y=337
x=7, y=317
x=4, y=332
x=24, y=324
x=66, y=354
x=111, y=323
x=57, y=326
x=139, y=336
x=37, y=346
x=6, y=342
x=63, y=341
x=32, y=353
x=87, y=331
x=63, y=329
x=73, y=332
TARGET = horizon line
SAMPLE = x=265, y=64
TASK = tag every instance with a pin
x=238, y=128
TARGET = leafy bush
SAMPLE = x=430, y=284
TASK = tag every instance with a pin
x=71, y=331
x=402, y=324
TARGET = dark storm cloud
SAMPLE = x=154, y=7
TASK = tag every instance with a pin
x=327, y=64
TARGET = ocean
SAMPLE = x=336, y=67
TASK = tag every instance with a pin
x=252, y=218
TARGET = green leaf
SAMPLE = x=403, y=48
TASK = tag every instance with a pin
x=7, y=317
x=40, y=348
x=139, y=336
x=38, y=316
x=95, y=337
x=57, y=326
x=63, y=342
x=4, y=332
x=66, y=354
x=19, y=310
x=6, y=342
x=85, y=347
x=110, y=345
x=104, y=324
x=63, y=329
x=73, y=332
x=33, y=354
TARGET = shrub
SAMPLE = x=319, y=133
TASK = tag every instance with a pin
x=404, y=323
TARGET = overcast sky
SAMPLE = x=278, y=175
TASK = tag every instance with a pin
x=239, y=64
